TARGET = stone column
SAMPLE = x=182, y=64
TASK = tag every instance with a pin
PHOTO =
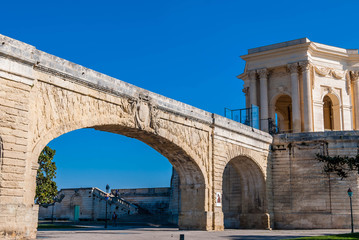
x=193, y=215
x=263, y=74
x=296, y=119
x=307, y=97
x=355, y=79
x=253, y=87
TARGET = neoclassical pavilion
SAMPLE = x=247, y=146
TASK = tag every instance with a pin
x=304, y=86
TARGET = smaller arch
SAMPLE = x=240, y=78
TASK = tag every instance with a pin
x=333, y=96
x=331, y=112
x=281, y=105
x=273, y=101
x=244, y=194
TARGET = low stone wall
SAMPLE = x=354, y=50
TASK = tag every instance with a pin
x=154, y=200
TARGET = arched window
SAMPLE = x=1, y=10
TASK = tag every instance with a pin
x=328, y=113
x=331, y=113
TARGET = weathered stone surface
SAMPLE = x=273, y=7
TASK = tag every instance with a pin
x=46, y=96
x=304, y=196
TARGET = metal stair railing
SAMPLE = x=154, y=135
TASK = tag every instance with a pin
x=102, y=195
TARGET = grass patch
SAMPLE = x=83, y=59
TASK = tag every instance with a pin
x=57, y=226
x=339, y=236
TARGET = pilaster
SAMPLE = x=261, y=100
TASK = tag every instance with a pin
x=355, y=80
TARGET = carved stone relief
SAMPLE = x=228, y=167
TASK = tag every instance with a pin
x=263, y=73
x=293, y=67
x=330, y=72
x=282, y=89
x=354, y=75
x=322, y=71
x=245, y=91
x=145, y=114
x=338, y=74
x=334, y=73
x=305, y=65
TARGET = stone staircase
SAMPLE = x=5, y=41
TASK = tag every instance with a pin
x=138, y=216
x=118, y=201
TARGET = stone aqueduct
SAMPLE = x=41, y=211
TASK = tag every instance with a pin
x=43, y=97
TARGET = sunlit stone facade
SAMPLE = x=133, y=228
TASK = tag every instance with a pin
x=311, y=91
x=305, y=86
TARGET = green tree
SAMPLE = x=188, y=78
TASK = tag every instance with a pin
x=46, y=188
x=341, y=165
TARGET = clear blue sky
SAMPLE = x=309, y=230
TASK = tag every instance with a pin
x=185, y=49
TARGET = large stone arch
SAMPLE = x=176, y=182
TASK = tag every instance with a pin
x=58, y=110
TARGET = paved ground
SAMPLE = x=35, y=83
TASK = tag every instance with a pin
x=146, y=233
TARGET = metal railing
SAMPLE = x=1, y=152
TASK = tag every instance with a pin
x=113, y=199
x=247, y=116
x=250, y=117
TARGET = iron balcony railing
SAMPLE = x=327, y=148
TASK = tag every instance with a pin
x=247, y=116
x=250, y=117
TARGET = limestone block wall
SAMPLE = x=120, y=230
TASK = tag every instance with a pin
x=65, y=210
x=91, y=207
x=14, y=125
x=303, y=195
x=154, y=200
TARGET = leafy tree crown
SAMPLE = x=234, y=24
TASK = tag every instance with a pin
x=46, y=188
